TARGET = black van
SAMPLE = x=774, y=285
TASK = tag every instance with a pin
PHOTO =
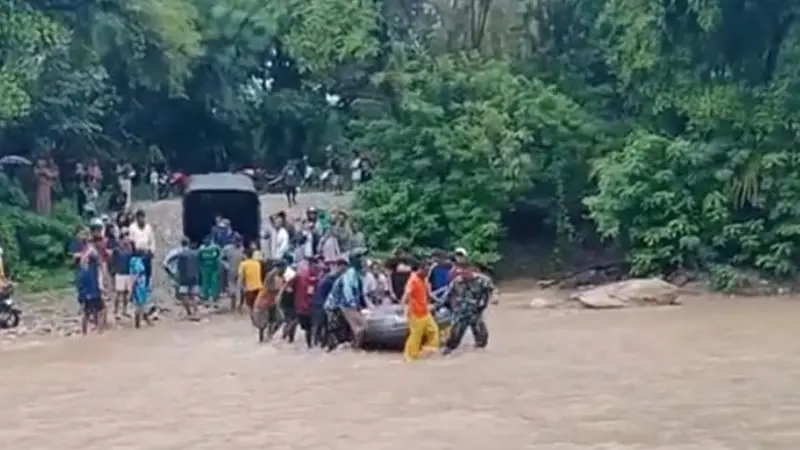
x=229, y=195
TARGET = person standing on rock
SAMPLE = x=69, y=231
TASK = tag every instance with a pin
x=144, y=239
x=209, y=258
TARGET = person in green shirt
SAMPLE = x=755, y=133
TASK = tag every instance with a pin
x=209, y=258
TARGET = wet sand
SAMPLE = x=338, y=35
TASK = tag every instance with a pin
x=713, y=374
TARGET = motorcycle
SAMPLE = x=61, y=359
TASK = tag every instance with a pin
x=9, y=312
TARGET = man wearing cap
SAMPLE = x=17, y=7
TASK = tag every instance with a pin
x=321, y=292
x=469, y=296
x=348, y=297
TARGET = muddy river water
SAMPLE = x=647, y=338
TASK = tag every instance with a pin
x=712, y=374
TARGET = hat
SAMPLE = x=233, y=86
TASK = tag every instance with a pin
x=461, y=251
x=96, y=223
x=311, y=209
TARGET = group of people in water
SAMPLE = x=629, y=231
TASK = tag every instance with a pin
x=315, y=276
x=311, y=274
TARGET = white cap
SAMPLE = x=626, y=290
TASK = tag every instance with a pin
x=96, y=222
x=461, y=251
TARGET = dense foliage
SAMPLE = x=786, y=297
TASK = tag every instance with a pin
x=669, y=127
x=33, y=244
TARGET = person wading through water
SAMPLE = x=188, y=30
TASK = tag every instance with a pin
x=266, y=316
x=209, y=259
x=399, y=272
x=349, y=297
x=286, y=298
x=439, y=275
x=470, y=295
x=422, y=328
x=251, y=279
x=319, y=324
x=303, y=287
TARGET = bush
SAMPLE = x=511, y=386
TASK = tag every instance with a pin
x=466, y=141
x=33, y=245
x=681, y=204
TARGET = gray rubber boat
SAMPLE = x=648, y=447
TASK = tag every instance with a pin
x=388, y=327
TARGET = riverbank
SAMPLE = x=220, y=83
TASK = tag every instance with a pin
x=54, y=314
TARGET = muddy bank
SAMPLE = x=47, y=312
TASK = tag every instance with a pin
x=55, y=314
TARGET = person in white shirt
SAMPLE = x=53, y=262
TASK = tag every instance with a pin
x=355, y=169
x=125, y=174
x=278, y=236
x=154, y=183
x=144, y=239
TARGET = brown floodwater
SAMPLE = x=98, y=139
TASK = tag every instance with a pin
x=713, y=374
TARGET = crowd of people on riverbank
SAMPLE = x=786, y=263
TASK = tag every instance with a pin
x=307, y=272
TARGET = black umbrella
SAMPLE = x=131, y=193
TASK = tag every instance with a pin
x=14, y=160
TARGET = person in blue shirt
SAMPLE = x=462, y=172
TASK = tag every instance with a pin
x=140, y=294
x=347, y=296
x=439, y=275
x=323, y=289
x=89, y=286
x=222, y=233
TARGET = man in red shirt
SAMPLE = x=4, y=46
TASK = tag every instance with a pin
x=303, y=286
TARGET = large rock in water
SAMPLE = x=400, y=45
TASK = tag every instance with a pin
x=622, y=294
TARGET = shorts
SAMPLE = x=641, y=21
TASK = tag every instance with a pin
x=184, y=290
x=92, y=305
x=249, y=298
x=122, y=283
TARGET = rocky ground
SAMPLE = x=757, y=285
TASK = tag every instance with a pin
x=55, y=314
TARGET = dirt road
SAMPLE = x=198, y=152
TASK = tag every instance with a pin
x=714, y=374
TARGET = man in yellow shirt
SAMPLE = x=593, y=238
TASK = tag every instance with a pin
x=250, y=280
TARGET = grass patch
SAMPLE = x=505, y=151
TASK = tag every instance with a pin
x=34, y=280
